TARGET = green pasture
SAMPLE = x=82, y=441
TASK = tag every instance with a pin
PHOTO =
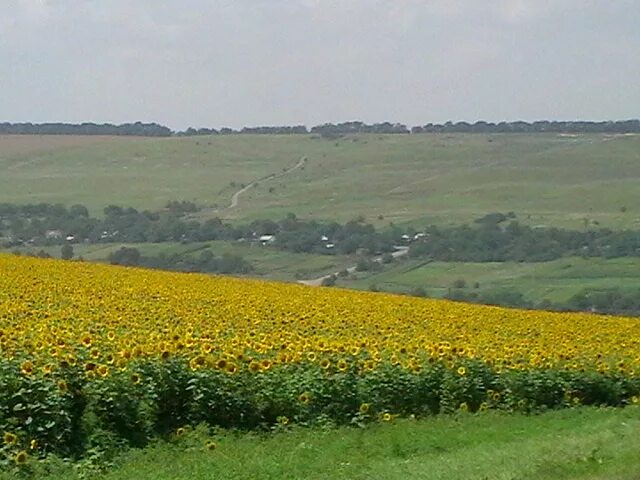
x=576, y=444
x=569, y=181
x=556, y=281
x=268, y=262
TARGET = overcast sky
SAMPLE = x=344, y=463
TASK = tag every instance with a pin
x=268, y=62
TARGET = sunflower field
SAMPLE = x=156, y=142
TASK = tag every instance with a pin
x=94, y=354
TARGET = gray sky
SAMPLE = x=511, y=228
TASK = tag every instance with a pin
x=269, y=62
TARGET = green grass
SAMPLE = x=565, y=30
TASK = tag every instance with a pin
x=556, y=281
x=268, y=262
x=582, y=443
x=544, y=179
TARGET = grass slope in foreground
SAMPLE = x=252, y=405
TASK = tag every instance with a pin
x=584, y=443
x=545, y=179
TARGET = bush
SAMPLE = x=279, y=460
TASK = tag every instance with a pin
x=329, y=281
x=387, y=258
x=418, y=292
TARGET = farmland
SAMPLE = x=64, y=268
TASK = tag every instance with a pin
x=94, y=351
x=427, y=178
x=555, y=281
x=96, y=358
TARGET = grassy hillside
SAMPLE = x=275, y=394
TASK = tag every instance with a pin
x=576, y=444
x=556, y=281
x=545, y=179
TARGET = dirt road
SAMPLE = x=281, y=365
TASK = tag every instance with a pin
x=317, y=282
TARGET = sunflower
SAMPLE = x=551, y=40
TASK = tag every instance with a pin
x=103, y=371
x=135, y=378
x=364, y=408
x=62, y=386
x=464, y=407
x=180, y=432
x=387, y=417
x=265, y=364
x=26, y=367
x=342, y=365
x=211, y=445
x=21, y=457
x=254, y=367
x=196, y=362
x=33, y=444
x=462, y=371
x=10, y=438
x=282, y=420
x=304, y=398
x=325, y=363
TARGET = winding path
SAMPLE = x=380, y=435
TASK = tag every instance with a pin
x=317, y=282
x=236, y=196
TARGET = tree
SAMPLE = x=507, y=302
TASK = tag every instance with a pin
x=125, y=256
x=460, y=283
x=66, y=252
x=418, y=292
x=78, y=211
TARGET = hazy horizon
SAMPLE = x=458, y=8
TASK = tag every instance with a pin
x=277, y=62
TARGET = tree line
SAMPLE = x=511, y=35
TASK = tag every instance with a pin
x=544, y=126
x=205, y=262
x=47, y=224
x=495, y=237
x=334, y=130
x=328, y=130
x=127, y=129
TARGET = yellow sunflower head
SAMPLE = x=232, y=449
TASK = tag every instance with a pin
x=21, y=457
x=10, y=438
